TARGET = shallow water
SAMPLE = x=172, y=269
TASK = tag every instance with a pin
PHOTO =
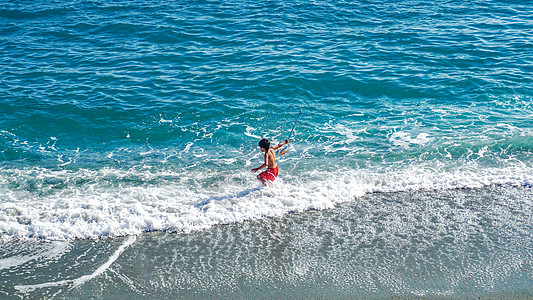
x=454, y=244
x=120, y=118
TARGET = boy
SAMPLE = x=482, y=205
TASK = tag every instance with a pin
x=270, y=161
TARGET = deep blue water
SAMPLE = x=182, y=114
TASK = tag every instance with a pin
x=126, y=117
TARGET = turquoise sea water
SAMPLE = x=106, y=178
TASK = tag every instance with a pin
x=122, y=118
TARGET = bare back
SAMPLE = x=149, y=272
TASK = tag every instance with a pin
x=270, y=159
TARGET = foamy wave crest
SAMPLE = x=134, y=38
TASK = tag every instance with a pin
x=64, y=205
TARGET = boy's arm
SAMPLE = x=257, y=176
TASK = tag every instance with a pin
x=280, y=144
x=262, y=166
x=259, y=168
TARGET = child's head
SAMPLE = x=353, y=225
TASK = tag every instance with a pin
x=264, y=144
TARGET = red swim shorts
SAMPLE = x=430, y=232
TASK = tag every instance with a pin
x=270, y=174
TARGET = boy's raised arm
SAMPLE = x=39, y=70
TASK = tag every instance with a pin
x=281, y=144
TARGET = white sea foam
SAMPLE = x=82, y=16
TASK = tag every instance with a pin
x=73, y=283
x=114, y=202
x=45, y=252
x=404, y=139
x=249, y=133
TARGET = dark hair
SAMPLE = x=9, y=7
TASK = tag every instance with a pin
x=265, y=144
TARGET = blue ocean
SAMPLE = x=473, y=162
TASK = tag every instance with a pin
x=129, y=129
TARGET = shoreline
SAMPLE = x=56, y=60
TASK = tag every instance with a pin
x=345, y=252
